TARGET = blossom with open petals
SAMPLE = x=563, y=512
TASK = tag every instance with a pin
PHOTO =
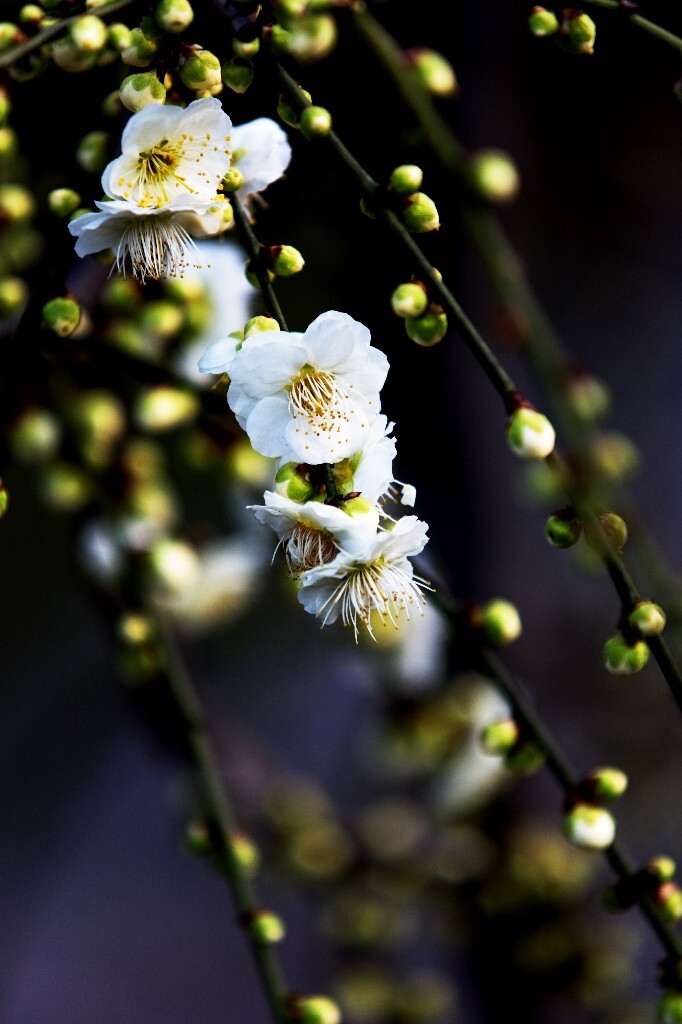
x=260, y=152
x=379, y=579
x=313, y=394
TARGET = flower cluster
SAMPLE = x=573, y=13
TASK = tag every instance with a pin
x=167, y=186
x=312, y=401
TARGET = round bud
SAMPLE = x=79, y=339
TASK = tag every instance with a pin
x=289, y=483
x=174, y=565
x=64, y=487
x=140, y=50
x=406, y=179
x=62, y=315
x=17, y=204
x=308, y=38
x=88, y=33
x=198, y=839
x=289, y=114
x=67, y=56
x=499, y=622
x=245, y=852
x=173, y=15
x=266, y=928
x=260, y=324
x=578, y=32
x=668, y=899
x=669, y=1010
x=5, y=105
x=420, y=214
x=287, y=261
x=316, y=1010
x=429, y=328
x=201, y=70
x=663, y=868
x=63, y=201
x=564, y=528
x=588, y=397
x=31, y=15
x=609, y=531
x=36, y=436
x=607, y=784
x=623, y=659
x=13, y=296
x=8, y=141
x=614, y=456
x=245, y=47
x=409, y=300
x=232, y=180
x=237, y=75
x=499, y=738
x=92, y=152
x=494, y=176
x=4, y=500
x=134, y=629
x=164, y=408
x=315, y=122
x=589, y=827
x=435, y=72
x=140, y=89
x=530, y=435
x=119, y=36
x=361, y=508
x=525, y=759
x=161, y=319
x=543, y=22
x=647, y=618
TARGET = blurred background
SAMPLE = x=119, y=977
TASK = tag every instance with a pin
x=420, y=882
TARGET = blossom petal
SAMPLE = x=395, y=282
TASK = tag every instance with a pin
x=311, y=445
x=266, y=425
x=218, y=356
x=332, y=337
x=268, y=366
x=319, y=600
x=262, y=153
x=96, y=231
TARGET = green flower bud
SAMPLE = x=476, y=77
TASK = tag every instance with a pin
x=588, y=397
x=10, y=34
x=543, y=22
x=525, y=759
x=286, y=260
x=260, y=324
x=498, y=621
x=35, y=437
x=67, y=56
x=564, y=528
x=669, y=1010
x=201, y=70
x=88, y=33
x=662, y=868
x=266, y=928
x=8, y=142
x=62, y=315
x=315, y=122
x=237, y=75
x=360, y=508
x=140, y=50
x=409, y=300
x=578, y=32
x=609, y=531
x=289, y=483
x=499, y=738
x=429, y=328
x=420, y=214
x=64, y=487
x=111, y=104
x=4, y=500
x=198, y=839
x=233, y=180
x=607, y=784
x=289, y=114
x=647, y=618
x=174, y=565
x=316, y=1010
x=623, y=659
x=5, y=105
x=92, y=152
x=589, y=827
x=31, y=15
x=119, y=37
x=134, y=629
x=245, y=852
x=13, y=296
x=174, y=15
x=245, y=48
x=668, y=899
x=164, y=408
x=140, y=89
x=63, y=201
x=161, y=318
x=435, y=72
x=292, y=8
x=121, y=295
x=493, y=175
x=101, y=418
x=17, y=204
x=530, y=435
x=614, y=456
x=406, y=179
x=309, y=38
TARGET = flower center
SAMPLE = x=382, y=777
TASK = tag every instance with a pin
x=312, y=393
x=157, y=168
x=305, y=548
x=382, y=586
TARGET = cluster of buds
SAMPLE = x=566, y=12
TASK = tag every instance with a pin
x=627, y=652
x=575, y=32
x=416, y=210
x=425, y=321
x=506, y=739
x=303, y=30
x=275, y=261
x=587, y=823
x=654, y=882
x=20, y=242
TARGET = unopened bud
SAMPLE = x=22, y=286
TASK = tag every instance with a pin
x=289, y=483
x=266, y=928
x=286, y=260
x=201, y=70
x=525, y=759
x=606, y=784
x=669, y=1010
x=315, y=122
x=174, y=15
x=62, y=315
x=140, y=51
x=245, y=47
x=668, y=899
x=589, y=827
x=260, y=324
x=165, y=408
x=409, y=300
x=31, y=15
x=4, y=500
x=435, y=72
x=420, y=214
x=662, y=868
x=543, y=22
x=17, y=204
x=564, y=528
x=161, y=318
x=36, y=436
x=494, y=176
x=92, y=152
x=499, y=622
x=119, y=36
x=316, y=1010
x=578, y=32
x=245, y=852
x=588, y=397
x=174, y=565
x=288, y=113
x=609, y=530
x=140, y=89
x=614, y=456
x=237, y=75
x=64, y=487
x=429, y=328
x=8, y=141
x=13, y=296
x=67, y=56
x=63, y=201
x=499, y=738
x=88, y=33
x=198, y=839
x=406, y=179
x=624, y=659
x=647, y=618
x=308, y=38
x=10, y=34
x=530, y=435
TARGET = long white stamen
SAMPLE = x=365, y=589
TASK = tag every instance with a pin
x=156, y=246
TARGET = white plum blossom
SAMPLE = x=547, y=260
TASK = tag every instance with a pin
x=162, y=190
x=379, y=579
x=312, y=394
x=260, y=152
x=312, y=533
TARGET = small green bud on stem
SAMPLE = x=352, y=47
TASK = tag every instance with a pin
x=530, y=435
x=62, y=315
x=607, y=531
x=315, y=1010
x=260, y=324
x=283, y=260
x=589, y=827
x=647, y=618
x=622, y=658
x=543, y=22
x=420, y=214
x=564, y=527
x=288, y=113
x=201, y=70
x=499, y=738
x=409, y=300
x=578, y=32
x=315, y=122
x=406, y=179
x=266, y=928
x=494, y=176
x=435, y=72
x=429, y=328
x=63, y=201
x=499, y=622
x=174, y=15
x=141, y=89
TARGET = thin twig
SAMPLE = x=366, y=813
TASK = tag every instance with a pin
x=253, y=247
x=630, y=12
x=11, y=56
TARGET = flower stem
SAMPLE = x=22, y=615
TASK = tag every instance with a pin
x=644, y=23
x=16, y=53
x=253, y=246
